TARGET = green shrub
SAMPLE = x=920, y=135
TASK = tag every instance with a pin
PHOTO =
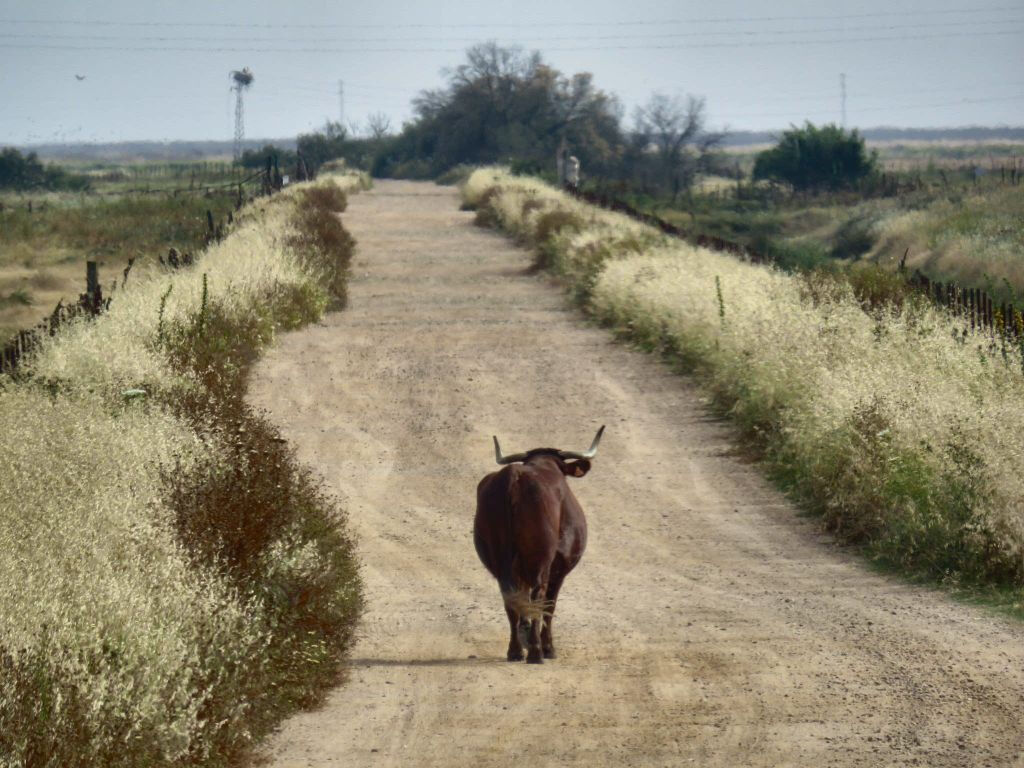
x=792, y=256
x=455, y=175
x=549, y=224
x=486, y=216
x=326, y=197
x=880, y=289
x=321, y=240
x=816, y=158
x=853, y=238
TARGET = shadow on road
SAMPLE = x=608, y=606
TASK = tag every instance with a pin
x=466, y=662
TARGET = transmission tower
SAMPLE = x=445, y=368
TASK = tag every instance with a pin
x=240, y=82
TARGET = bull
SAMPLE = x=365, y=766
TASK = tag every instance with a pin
x=530, y=532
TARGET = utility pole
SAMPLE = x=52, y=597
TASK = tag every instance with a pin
x=341, y=102
x=842, y=96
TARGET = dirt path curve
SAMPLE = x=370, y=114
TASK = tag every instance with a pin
x=707, y=624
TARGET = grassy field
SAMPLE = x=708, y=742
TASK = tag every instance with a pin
x=898, y=425
x=953, y=209
x=172, y=582
x=43, y=251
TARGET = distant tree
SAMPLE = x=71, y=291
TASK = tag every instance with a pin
x=257, y=158
x=22, y=172
x=676, y=129
x=503, y=105
x=378, y=125
x=326, y=144
x=816, y=158
x=335, y=141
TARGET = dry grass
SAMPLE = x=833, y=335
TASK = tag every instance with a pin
x=900, y=426
x=974, y=238
x=172, y=581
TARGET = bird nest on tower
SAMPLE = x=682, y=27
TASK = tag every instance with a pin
x=243, y=76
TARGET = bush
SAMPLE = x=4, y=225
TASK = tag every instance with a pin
x=880, y=289
x=328, y=197
x=853, y=238
x=321, y=240
x=549, y=224
x=811, y=158
x=457, y=174
x=793, y=257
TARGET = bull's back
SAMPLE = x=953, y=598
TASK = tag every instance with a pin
x=516, y=531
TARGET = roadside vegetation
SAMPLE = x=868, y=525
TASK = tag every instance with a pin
x=953, y=214
x=172, y=581
x=897, y=424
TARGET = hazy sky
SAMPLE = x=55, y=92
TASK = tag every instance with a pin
x=156, y=70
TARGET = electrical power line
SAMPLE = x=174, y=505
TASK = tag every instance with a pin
x=561, y=38
x=694, y=46
x=888, y=108
x=521, y=25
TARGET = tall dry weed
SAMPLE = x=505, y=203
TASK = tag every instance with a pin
x=171, y=581
x=900, y=426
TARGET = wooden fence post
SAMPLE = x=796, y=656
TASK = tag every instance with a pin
x=92, y=279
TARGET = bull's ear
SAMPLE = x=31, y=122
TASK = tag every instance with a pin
x=577, y=468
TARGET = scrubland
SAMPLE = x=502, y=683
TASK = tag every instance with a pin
x=974, y=237
x=897, y=424
x=43, y=251
x=172, y=582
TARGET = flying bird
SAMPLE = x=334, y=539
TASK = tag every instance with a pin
x=79, y=77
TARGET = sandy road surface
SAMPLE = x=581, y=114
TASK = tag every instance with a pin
x=706, y=625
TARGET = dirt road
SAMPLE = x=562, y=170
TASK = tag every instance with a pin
x=707, y=623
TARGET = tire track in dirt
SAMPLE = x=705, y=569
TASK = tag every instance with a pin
x=707, y=624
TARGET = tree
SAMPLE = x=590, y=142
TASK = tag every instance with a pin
x=816, y=158
x=335, y=141
x=257, y=158
x=326, y=144
x=504, y=105
x=378, y=125
x=676, y=130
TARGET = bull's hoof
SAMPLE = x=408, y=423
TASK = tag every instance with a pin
x=515, y=655
x=534, y=658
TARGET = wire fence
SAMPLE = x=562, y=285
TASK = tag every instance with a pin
x=92, y=302
x=975, y=306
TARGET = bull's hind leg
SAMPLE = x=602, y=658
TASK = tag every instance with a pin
x=535, y=654
x=547, y=641
x=515, y=645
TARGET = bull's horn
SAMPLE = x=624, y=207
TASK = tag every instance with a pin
x=505, y=459
x=590, y=452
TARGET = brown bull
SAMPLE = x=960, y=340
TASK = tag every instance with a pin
x=530, y=532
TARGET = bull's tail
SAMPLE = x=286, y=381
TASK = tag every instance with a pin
x=518, y=600
x=516, y=593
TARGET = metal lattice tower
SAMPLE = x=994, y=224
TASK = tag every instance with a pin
x=241, y=80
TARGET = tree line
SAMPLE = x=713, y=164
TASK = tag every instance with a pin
x=505, y=106
x=26, y=172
